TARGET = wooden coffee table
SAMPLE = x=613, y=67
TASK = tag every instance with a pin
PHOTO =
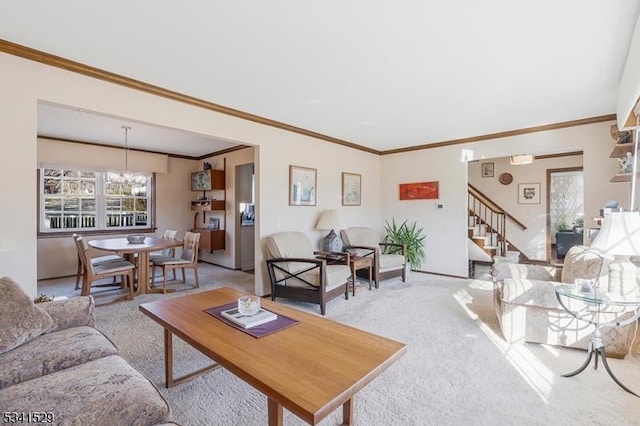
x=308, y=368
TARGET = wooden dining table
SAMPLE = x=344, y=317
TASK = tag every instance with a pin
x=124, y=247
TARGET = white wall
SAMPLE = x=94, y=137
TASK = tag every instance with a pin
x=272, y=205
x=446, y=244
x=25, y=82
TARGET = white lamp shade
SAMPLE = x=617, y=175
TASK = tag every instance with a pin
x=620, y=234
x=330, y=219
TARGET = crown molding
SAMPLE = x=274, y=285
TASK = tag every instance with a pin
x=79, y=68
x=561, y=125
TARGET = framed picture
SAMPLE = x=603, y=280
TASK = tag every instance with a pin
x=419, y=191
x=302, y=186
x=487, y=170
x=214, y=223
x=528, y=193
x=351, y=189
x=201, y=180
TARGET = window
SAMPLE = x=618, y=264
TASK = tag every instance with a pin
x=77, y=200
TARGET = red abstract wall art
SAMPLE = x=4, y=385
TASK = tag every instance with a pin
x=419, y=191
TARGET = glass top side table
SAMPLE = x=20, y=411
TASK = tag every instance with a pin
x=599, y=299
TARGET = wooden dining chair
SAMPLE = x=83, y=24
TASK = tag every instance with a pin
x=96, y=260
x=188, y=259
x=123, y=269
x=169, y=234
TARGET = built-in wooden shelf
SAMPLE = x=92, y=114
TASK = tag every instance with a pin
x=210, y=239
x=207, y=205
x=622, y=177
x=213, y=224
x=620, y=150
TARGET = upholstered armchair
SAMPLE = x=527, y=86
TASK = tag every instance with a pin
x=528, y=309
x=298, y=273
x=389, y=259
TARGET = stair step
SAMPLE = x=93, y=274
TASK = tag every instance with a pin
x=480, y=241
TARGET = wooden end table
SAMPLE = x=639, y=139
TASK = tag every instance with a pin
x=358, y=262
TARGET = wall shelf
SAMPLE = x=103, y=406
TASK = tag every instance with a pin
x=214, y=182
x=621, y=149
x=621, y=177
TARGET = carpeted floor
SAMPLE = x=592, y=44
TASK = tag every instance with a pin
x=458, y=369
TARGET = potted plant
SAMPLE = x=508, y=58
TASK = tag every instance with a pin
x=578, y=225
x=411, y=236
x=562, y=226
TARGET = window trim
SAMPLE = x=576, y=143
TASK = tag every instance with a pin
x=60, y=234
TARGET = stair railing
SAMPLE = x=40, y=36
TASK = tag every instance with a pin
x=494, y=218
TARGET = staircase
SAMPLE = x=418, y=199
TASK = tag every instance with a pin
x=487, y=229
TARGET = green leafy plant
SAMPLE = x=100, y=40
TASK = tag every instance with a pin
x=411, y=236
x=579, y=222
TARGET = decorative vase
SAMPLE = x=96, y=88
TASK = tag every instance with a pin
x=332, y=242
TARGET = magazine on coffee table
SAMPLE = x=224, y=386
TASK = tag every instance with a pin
x=248, y=321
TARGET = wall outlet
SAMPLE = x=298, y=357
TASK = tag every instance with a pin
x=439, y=206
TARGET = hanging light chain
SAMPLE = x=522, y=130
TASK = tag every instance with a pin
x=126, y=148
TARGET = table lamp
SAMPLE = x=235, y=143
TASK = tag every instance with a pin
x=620, y=236
x=330, y=220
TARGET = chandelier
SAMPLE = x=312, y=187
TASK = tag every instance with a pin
x=127, y=177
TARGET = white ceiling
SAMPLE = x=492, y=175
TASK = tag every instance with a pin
x=381, y=74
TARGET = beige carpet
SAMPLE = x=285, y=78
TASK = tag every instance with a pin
x=457, y=371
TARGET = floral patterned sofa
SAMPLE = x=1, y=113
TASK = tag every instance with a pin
x=56, y=368
x=528, y=310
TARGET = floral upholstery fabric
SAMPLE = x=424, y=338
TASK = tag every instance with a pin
x=53, y=352
x=531, y=292
x=73, y=312
x=21, y=319
x=583, y=262
x=107, y=391
x=70, y=368
x=528, y=309
x=500, y=271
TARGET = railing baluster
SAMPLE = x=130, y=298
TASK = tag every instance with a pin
x=493, y=222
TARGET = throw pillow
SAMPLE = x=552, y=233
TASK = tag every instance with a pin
x=21, y=319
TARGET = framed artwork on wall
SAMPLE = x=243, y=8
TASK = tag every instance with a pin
x=528, y=193
x=487, y=169
x=214, y=223
x=351, y=189
x=419, y=191
x=302, y=186
x=201, y=180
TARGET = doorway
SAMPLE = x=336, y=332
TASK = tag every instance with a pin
x=245, y=206
x=565, y=211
